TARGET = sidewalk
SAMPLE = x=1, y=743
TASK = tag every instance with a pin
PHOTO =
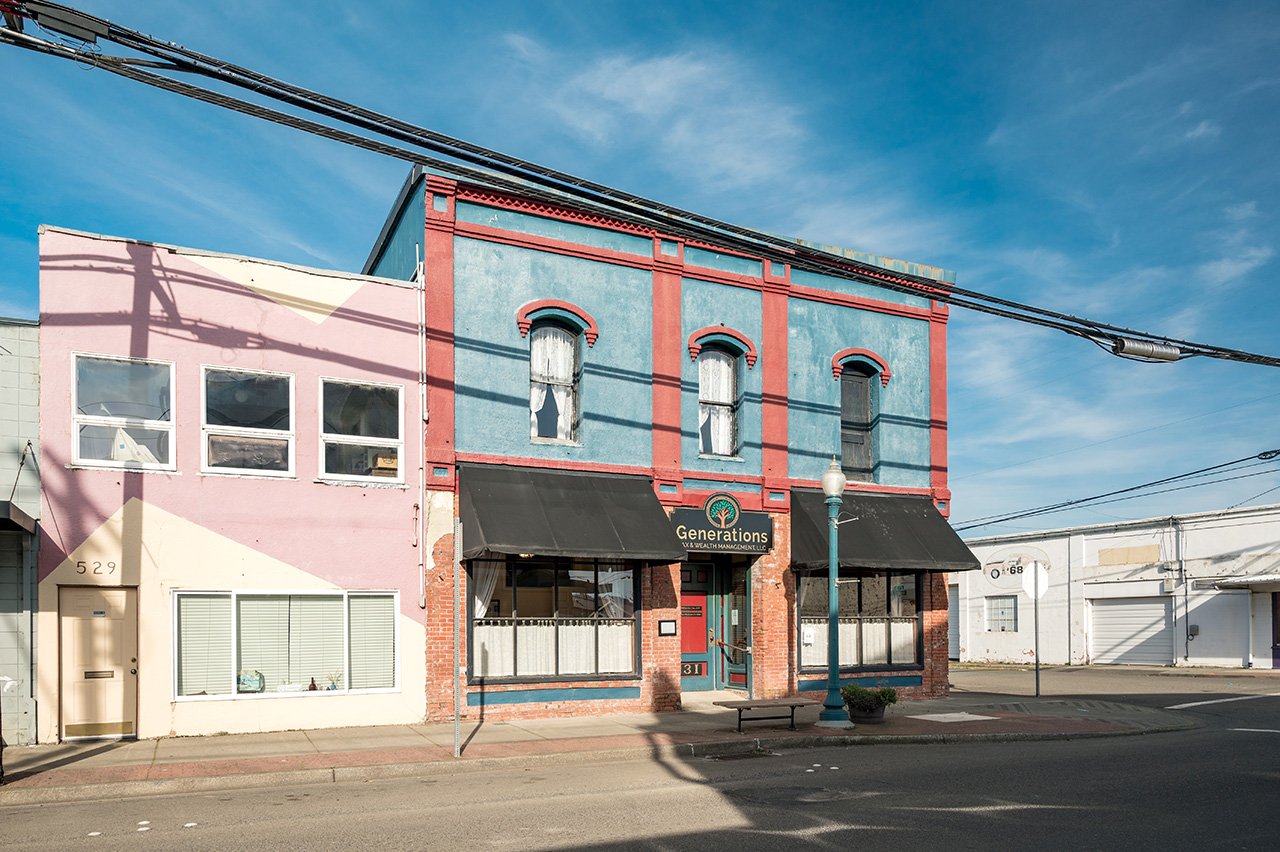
x=94, y=770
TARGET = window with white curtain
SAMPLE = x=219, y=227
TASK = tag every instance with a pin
x=717, y=403
x=247, y=643
x=880, y=619
x=123, y=413
x=546, y=618
x=553, y=383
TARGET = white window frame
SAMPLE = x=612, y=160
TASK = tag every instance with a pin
x=233, y=664
x=989, y=602
x=359, y=441
x=78, y=420
x=206, y=430
x=574, y=384
x=734, y=406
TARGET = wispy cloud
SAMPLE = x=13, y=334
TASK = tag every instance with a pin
x=1204, y=130
x=711, y=117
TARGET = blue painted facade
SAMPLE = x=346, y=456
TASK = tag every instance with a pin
x=641, y=305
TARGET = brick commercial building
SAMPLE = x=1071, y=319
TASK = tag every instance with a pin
x=593, y=387
x=269, y=489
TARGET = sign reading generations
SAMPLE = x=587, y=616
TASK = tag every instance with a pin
x=721, y=526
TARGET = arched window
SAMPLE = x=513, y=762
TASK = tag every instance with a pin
x=717, y=402
x=553, y=382
x=856, y=456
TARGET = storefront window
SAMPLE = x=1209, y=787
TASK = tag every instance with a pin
x=237, y=644
x=879, y=615
x=552, y=618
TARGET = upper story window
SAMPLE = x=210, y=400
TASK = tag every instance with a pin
x=360, y=429
x=123, y=412
x=553, y=383
x=861, y=374
x=717, y=402
x=855, y=423
x=248, y=422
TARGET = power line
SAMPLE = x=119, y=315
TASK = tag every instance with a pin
x=1100, y=499
x=505, y=172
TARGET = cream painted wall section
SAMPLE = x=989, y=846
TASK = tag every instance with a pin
x=310, y=293
x=158, y=552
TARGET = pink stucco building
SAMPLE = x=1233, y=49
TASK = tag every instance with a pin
x=233, y=513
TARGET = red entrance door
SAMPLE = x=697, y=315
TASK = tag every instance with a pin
x=695, y=650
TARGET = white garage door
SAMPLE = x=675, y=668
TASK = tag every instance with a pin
x=953, y=622
x=1132, y=631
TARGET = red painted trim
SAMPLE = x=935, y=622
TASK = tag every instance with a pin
x=514, y=238
x=865, y=486
x=666, y=374
x=739, y=478
x=494, y=198
x=832, y=298
x=437, y=264
x=938, y=409
x=696, y=499
x=717, y=276
x=527, y=315
x=838, y=363
x=695, y=342
x=773, y=415
x=552, y=464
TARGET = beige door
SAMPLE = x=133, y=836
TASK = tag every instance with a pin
x=99, y=662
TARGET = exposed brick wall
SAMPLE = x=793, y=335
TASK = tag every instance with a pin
x=773, y=631
x=659, y=655
x=934, y=677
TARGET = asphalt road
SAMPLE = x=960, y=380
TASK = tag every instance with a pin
x=1213, y=787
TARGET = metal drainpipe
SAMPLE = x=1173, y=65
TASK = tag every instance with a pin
x=424, y=512
x=1182, y=578
x=1070, y=632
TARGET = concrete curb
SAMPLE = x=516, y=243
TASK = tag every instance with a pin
x=10, y=797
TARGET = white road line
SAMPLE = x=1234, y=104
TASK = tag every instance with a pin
x=1221, y=701
x=1256, y=730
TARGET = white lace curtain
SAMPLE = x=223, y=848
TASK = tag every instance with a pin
x=484, y=579
x=552, y=363
x=717, y=397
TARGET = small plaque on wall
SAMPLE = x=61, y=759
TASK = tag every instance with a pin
x=666, y=628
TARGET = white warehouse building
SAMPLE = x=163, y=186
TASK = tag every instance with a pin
x=1188, y=590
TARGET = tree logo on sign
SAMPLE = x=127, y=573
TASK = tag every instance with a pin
x=722, y=511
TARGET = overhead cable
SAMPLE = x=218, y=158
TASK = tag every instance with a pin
x=512, y=174
x=1101, y=499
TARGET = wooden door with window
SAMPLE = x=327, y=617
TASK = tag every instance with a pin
x=99, y=644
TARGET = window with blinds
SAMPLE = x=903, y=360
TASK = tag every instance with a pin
x=248, y=643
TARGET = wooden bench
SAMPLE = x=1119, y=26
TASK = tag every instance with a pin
x=767, y=704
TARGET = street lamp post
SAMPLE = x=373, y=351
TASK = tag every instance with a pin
x=834, y=714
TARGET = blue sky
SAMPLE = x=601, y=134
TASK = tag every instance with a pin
x=1112, y=160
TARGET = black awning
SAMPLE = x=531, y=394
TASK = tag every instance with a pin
x=13, y=519
x=563, y=513
x=895, y=531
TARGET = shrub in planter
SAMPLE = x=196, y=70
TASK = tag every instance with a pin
x=861, y=700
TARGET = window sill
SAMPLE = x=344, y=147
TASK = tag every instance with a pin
x=555, y=442
x=362, y=483
x=249, y=474
x=301, y=693
x=812, y=671
x=534, y=680
x=117, y=468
